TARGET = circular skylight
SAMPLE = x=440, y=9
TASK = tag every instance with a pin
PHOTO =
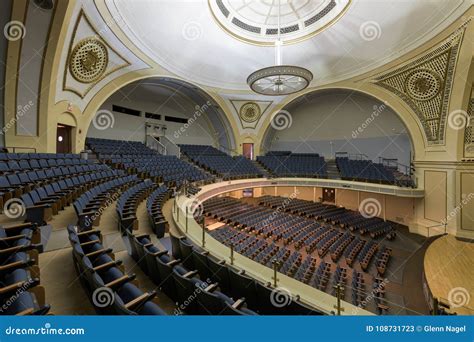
x=256, y=21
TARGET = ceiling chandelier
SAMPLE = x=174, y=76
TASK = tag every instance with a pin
x=279, y=79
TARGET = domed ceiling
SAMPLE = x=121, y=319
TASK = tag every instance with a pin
x=218, y=43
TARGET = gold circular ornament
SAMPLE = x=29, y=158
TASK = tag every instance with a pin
x=250, y=112
x=423, y=85
x=88, y=60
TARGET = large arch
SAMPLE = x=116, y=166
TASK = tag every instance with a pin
x=218, y=119
x=406, y=116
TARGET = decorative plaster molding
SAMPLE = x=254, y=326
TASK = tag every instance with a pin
x=425, y=84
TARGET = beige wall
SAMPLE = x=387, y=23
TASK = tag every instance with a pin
x=347, y=198
x=466, y=201
x=399, y=209
x=306, y=193
x=435, y=195
x=285, y=191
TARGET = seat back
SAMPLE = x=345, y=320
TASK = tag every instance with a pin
x=219, y=273
x=243, y=286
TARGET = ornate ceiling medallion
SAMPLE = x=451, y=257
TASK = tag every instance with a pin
x=250, y=112
x=258, y=21
x=88, y=60
x=423, y=85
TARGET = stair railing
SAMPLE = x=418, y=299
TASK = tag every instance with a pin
x=155, y=144
x=171, y=148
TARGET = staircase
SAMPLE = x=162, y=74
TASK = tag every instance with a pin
x=332, y=170
x=261, y=169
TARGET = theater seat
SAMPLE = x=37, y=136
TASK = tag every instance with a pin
x=237, y=309
x=243, y=286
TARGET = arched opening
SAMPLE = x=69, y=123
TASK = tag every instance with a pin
x=333, y=121
x=163, y=107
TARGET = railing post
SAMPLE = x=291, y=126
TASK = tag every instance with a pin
x=186, y=219
x=177, y=213
x=203, y=232
x=231, y=253
x=435, y=306
x=275, y=272
x=339, y=290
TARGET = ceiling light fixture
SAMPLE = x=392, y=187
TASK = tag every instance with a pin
x=279, y=79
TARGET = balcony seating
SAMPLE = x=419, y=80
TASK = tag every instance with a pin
x=220, y=163
x=154, y=204
x=135, y=157
x=232, y=284
x=24, y=173
x=364, y=170
x=106, y=147
x=20, y=292
x=294, y=164
x=128, y=202
x=89, y=205
x=97, y=269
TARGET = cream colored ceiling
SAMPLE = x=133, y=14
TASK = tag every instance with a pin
x=183, y=37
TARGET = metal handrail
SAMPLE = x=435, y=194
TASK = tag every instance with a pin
x=152, y=142
x=171, y=147
x=357, y=156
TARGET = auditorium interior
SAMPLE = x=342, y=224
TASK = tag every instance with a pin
x=237, y=157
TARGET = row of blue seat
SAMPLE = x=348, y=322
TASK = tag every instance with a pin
x=253, y=230
x=128, y=202
x=220, y=163
x=294, y=165
x=34, y=164
x=364, y=170
x=20, y=290
x=101, y=275
x=105, y=147
x=154, y=205
x=90, y=204
x=29, y=156
x=259, y=297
